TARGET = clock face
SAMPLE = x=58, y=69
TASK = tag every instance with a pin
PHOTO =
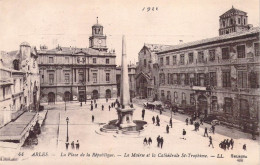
x=99, y=41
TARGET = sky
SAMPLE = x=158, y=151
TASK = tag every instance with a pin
x=69, y=22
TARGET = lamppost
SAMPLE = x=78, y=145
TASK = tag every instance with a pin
x=65, y=104
x=67, y=120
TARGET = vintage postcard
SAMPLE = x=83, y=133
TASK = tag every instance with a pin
x=129, y=82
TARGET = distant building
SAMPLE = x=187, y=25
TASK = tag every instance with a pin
x=70, y=73
x=20, y=80
x=216, y=76
x=132, y=82
x=147, y=80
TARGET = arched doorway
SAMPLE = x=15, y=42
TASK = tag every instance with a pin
x=202, y=105
x=143, y=87
x=67, y=96
x=108, y=93
x=51, y=97
x=95, y=94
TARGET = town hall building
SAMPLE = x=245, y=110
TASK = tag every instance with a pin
x=70, y=73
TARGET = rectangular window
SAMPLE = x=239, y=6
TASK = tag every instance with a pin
x=107, y=61
x=94, y=60
x=162, y=78
x=51, y=78
x=182, y=59
x=67, y=60
x=200, y=57
x=226, y=79
x=169, y=78
x=190, y=58
x=225, y=53
x=162, y=93
x=178, y=78
x=4, y=92
x=144, y=62
x=239, y=20
x=81, y=77
x=108, y=77
x=256, y=48
x=174, y=60
x=94, y=77
x=213, y=79
x=51, y=60
x=242, y=79
x=67, y=77
x=212, y=55
x=167, y=61
x=187, y=78
x=161, y=61
x=241, y=51
x=228, y=104
x=254, y=79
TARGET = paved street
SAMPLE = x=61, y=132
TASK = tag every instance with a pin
x=93, y=141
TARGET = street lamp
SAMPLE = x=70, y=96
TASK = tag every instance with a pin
x=67, y=120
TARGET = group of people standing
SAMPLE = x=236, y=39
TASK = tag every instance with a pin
x=160, y=141
x=157, y=120
x=149, y=141
x=73, y=145
x=226, y=144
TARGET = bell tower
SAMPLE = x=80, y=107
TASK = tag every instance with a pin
x=233, y=20
x=98, y=40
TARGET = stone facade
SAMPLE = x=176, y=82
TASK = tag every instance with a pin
x=147, y=80
x=217, y=76
x=70, y=73
x=24, y=79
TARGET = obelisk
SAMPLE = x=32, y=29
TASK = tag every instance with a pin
x=125, y=112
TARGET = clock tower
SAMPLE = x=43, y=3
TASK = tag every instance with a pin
x=98, y=40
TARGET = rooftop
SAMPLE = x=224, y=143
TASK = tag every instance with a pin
x=254, y=30
x=73, y=50
x=156, y=47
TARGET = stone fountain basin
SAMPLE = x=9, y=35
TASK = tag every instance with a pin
x=112, y=127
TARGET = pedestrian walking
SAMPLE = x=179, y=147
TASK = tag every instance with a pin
x=145, y=141
x=201, y=121
x=109, y=107
x=143, y=113
x=150, y=141
x=160, y=111
x=153, y=119
x=158, y=141
x=77, y=145
x=93, y=118
x=231, y=143
x=183, y=134
x=95, y=105
x=210, y=142
x=72, y=145
x=162, y=142
x=81, y=104
x=206, y=132
x=191, y=121
x=167, y=129
x=91, y=107
x=67, y=145
x=187, y=121
x=171, y=122
x=102, y=107
x=91, y=102
x=244, y=147
x=213, y=129
x=157, y=121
